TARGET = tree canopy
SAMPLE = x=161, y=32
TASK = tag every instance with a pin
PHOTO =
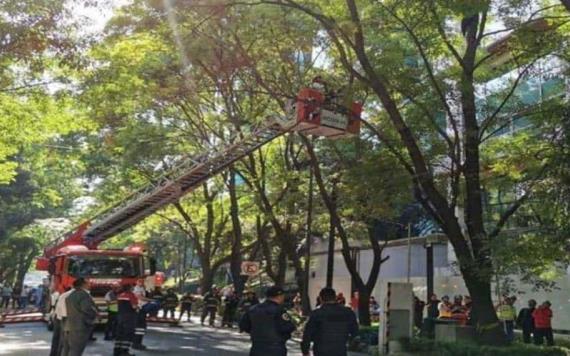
x=465, y=123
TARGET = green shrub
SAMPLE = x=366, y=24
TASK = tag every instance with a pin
x=431, y=348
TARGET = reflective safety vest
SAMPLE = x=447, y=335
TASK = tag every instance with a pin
x=445, y=311
x=506, y=312
x=112, y=297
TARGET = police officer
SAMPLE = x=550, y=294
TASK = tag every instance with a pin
x=269, y=325
x=329, y=327
x=210, y=307
x=127, y=303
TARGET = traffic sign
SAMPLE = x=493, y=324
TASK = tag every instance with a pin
x=250, y=268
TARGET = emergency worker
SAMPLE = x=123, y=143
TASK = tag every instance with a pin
x=186, y=305
x=329, y=327
x=112, y=310
x=507, y=314
x=230, y=307
x=248, y=300
x=170, y=303
x=158, y=297
x=210, y=307
x=127, y=306
x=269, y=325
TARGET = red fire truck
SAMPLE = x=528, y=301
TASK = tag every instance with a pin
x=75, y=257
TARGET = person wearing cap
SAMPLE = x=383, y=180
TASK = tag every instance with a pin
x=231, y=302
x=212, y=301
x=170, y=303
x=269, y=325
x=247, y=301
x=186, y=305
x=329, y=327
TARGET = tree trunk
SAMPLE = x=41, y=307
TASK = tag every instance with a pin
x=184, y=266
x=23, y=267
x=364, y=306
x=485, y=318
x=364, y=289
x=331, y=245
x=207, y=279
x=281, y=268
x=236, y=259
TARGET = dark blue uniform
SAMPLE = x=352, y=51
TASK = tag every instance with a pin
x=329, y=328
x=126, y=322
x=269, y=326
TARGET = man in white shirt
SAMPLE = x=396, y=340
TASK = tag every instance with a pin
x=59, y=315
x=140, y=329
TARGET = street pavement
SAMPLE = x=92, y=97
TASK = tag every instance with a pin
x=33, y=339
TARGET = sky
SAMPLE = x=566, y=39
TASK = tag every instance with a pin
x=94, y=18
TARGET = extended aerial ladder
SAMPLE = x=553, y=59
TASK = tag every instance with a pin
x=311, y=113
x=314, y=112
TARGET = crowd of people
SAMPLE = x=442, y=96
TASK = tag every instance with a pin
x=21, y=297
x=75, y=314
x=535, y=322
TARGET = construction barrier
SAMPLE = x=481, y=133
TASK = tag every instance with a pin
x=8, y=312
x=35, y=315
x=23, y=319
x=155, y=319
x=13, y=316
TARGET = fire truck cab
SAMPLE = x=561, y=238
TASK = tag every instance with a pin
x=102, y=268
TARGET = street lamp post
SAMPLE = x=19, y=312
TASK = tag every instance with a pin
x=409, y=252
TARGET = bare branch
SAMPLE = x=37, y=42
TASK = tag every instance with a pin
x=444, y=37
x=517, y=204
x=489, y=120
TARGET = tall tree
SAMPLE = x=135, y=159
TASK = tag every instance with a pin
x=376, y=44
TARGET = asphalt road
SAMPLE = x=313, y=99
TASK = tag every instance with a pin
x=33, y=339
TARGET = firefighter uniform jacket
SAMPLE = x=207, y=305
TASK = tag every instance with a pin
x=270, y=327
x=329, y=328
x=127, y=303
x=187, y=301
x=211, y=301
x=170, y=301
x=126, y=321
